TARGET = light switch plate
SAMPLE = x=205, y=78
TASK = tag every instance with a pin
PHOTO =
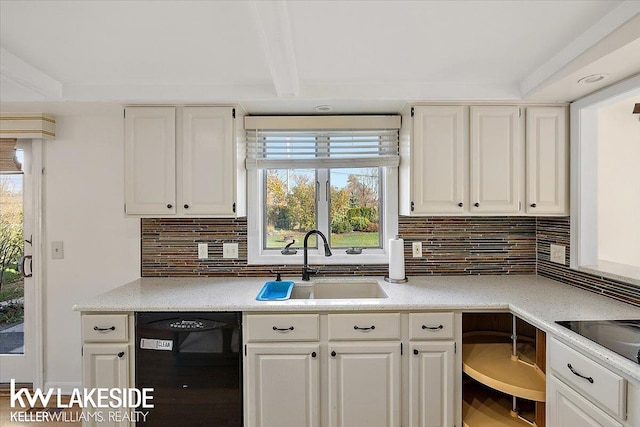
x=416, y=249
x=57, y=250
x=229, y=250
x=557, y=254
x=203, y=251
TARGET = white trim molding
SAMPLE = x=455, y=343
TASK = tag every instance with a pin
x=27, y=126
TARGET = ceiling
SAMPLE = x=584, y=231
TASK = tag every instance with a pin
x=290, y=56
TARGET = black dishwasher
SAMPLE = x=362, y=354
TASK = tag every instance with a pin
x=193, y=363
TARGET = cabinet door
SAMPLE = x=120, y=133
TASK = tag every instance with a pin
x=546, y=160
x=439, y=146
x=496, y=160
x=282, y=385
x=105, y=366
x=565, y=407
x=150, y=162
x=364, y=385
x=208, y=161
x=431, y=384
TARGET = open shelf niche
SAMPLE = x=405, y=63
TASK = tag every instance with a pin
x=503, y=358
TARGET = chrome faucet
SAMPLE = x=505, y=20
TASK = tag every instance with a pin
x=306, y=271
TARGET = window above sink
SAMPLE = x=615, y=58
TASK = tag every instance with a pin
x=336, y=174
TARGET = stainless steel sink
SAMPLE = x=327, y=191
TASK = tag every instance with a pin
x=338, y=289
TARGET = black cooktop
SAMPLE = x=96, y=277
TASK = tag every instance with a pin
x=620, y=336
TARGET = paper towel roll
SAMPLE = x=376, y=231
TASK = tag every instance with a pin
x=396, y=259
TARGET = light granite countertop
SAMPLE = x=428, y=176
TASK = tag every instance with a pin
x=535, y=299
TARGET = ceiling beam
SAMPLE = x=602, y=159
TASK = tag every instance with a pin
x=28, y=77
x=274, y=27
x=600, y=39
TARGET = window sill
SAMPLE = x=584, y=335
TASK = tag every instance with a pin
x=612, y=270
x=339, y=257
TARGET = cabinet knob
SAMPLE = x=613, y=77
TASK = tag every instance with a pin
x=460, y=204
x=476, y=204
x=186, y=206
x=121, y=354
x=533, y=205
x=313, y=354
x=169, y=206
x=416, y=352
x=333, y=354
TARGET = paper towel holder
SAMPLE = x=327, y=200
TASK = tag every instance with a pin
x=390, y=280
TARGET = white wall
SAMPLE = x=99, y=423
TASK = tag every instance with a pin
x=83, y=192
x=619, y=183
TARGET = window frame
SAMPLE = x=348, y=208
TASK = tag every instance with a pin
x=258, y=255
x=584, y=182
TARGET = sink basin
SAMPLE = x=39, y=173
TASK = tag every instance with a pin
x=338, y=289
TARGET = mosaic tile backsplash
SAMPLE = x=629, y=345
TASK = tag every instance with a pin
x=462, y=245
x=451, y=246
x=556, y=230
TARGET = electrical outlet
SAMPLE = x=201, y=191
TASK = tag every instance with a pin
x=203, y=251
x=57, y=250
x=229, y=250
x=417, y=249
x=557, y=254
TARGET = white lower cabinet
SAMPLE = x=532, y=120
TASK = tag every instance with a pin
x=568, y=408
x=432, y=376
x=351, y=369
x=107, y=361
x=283, y=386
x=106, y=366
x=364, y=384
x=584, y=392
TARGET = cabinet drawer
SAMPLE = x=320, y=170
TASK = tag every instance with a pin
x=373, y=326
x=105, y=328
x=431, y=326
x=594, y=381
x=282, y=327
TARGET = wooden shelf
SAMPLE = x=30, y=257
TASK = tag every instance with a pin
x=491, y=364
x=486, y=408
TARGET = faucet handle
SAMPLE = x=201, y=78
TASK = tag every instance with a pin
x=278, y=275
x=287, y=250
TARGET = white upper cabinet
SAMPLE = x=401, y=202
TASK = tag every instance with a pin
x=208, y=185
x=495, y=160
x=483, y=160
x=439, y=160
x=150, y=160
x=547, y=161
x=195, y=174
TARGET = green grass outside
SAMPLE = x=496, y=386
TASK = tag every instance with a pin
x=12, y=290
x=14, y=312
x=346, y=240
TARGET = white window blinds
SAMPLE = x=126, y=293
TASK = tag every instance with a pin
x=305, y=147
x=9, y=162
